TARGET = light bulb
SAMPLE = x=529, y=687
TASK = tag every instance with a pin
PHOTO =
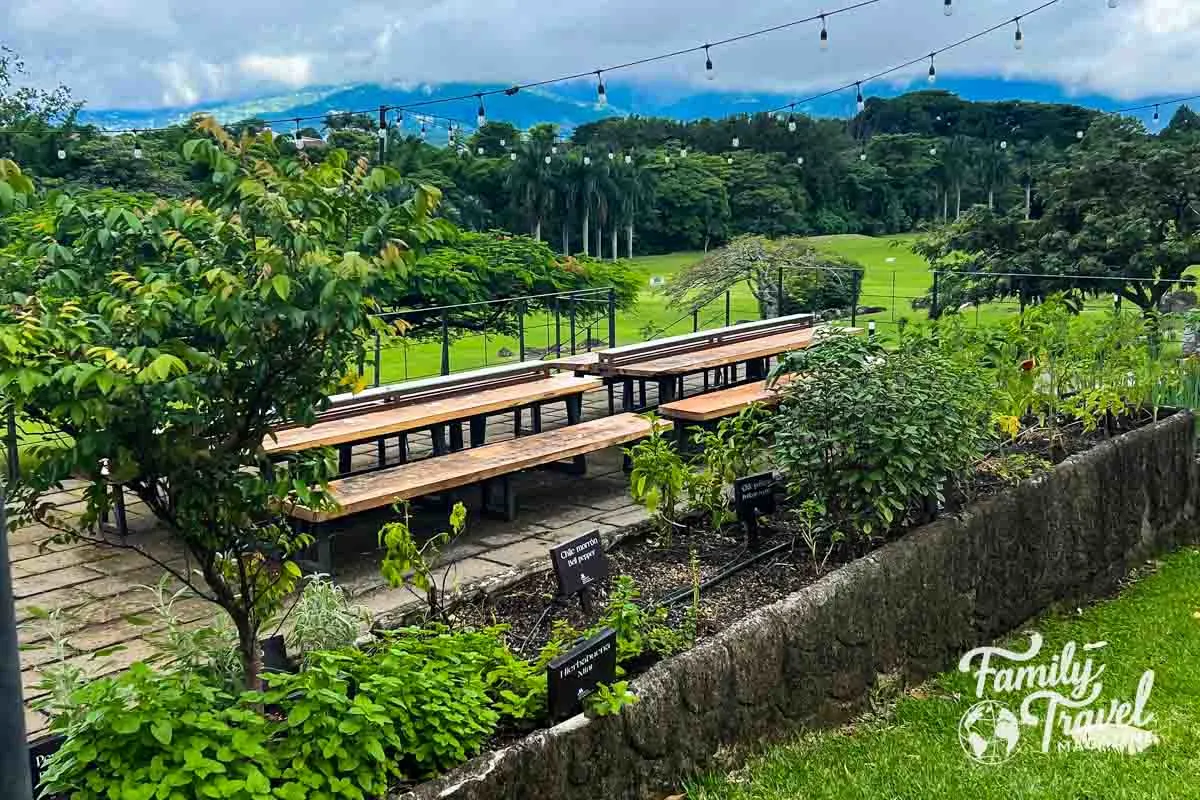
x=948, y=8
x=824, y=34
x=546, y=159
x=512, y=156
x=137, y=151
x=708, y=67
x=479, y=151
x=792, y=125
x=862, y=104
x=729, y=160
x=736, y=142
x=554, y=149
x=1003, y=145
x=1157, y=118
x=939, y=117
x=62, y=154
x=628, y=159
x=683, y=152
x=612, y=155
x=481, y=114
x=299, y=142
x=1078, y=134
x=932, y=69
x=601, y=92
x=800, y=160
x=587, y=161
x=503, y=143
x=862, y=156
x=1018, y=37
x=383, y=133
x=667, y=159
x=933, y=151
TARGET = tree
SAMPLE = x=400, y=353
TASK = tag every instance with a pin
x=1118, y=215
x=531, y=182
x=636, y=189
x=813, y=280
x=167, y=338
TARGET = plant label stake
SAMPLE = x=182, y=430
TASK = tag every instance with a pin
x=754, y=495
x=576, y=674
x=40, y=751
x=580, y=565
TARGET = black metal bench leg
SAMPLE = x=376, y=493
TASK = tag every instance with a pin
x=345, y=458
x=666, y=390
x=756, y=369
x=456, y=437
x=680, y=434
x=627, y=395
x=642, y=393
x=499, y=499
x=381, y=447
x=612, y=399
x=438, y=434
x=574, y=409
x=119, y=511
x=324, y=549
x=706, y=380
x=402, y=457
x=478, y=431
x=517, y=423
x=535, y=414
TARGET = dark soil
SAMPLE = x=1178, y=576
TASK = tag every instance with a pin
x=660, y=565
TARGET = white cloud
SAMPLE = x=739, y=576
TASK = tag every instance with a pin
x=142, y=53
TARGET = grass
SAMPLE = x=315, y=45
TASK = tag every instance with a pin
x=914, y=752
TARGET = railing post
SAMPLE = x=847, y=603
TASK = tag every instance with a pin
x=612, y=317
x=571, y=313
x=10, y=441
x=695, y=319
x=445, y=343
x=378, y=358
x=779, y=292
x=521, y=329
x=557, y=327
x=933, y=303
x=857, y=290
x=728, y=308
x=14, y=754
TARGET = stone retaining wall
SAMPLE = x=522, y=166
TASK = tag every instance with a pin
x=913, y=606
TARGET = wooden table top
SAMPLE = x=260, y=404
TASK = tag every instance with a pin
x=417, y=416
x=430, y=476
x=720, y=356
x=581, y=362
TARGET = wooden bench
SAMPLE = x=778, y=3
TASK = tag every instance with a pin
x=491, y=465
x=703, y=409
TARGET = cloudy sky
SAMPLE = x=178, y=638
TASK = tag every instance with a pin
x=154, y=53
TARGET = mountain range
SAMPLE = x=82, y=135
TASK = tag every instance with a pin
x=570, y=104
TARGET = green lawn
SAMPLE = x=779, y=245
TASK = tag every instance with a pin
x=913, y=751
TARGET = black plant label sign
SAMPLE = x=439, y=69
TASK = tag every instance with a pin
x=576, y=674
x=754, y=495
x=580, y=564
x=39, y=755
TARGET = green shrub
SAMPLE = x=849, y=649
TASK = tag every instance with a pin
x=150, y=734
x=867, y=432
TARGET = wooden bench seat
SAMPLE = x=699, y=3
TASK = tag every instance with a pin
x=712, y=406
x=491, y=465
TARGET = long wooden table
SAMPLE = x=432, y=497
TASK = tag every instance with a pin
x=434, y=415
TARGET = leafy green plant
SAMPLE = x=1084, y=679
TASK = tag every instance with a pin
x=150, y=734
x=809, y=516
x=324, y=618
x=873, y=435
x=182, y=645
x=608, y=700
x=658, y=475
x=737, y=448
x=63, y=675
x=413, y=566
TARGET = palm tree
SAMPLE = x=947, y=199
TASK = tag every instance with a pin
x=994, y=170
x=957, y=166
x=590, y=177
x=531, y=182
x=636, y=188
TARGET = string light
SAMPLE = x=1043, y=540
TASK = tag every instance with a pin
x=683, y=152
x=862, y=156
x=1019, y=37
x=628, y=158
x=933, y=150
x=800, y=160
x=862, y=104
x=612, y=155
x=587, y=161
x=932, y=69
x=137, y=148
x=512, y=156
x=948, y=8
x=503, y=143
x=62, y=154
x=479, y=151
x=299, y=138
x=737, y=142
x=792, y=120
x=729, y=160
x=666, y=158
x=546, y=159
x=1157, y=118
x=708, y=67
x=1003, y=144
x=481, y=114
x=601, y=92
x=1079, y=134
x=824, y=34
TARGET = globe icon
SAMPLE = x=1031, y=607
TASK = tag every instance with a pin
x=988, y=732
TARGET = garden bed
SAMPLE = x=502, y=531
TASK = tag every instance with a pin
x=812, y=654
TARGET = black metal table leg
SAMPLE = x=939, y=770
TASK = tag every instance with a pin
x=456, y=436
x=627, y=395
x=438, y=434
x=381, y=447
x=612, y=405
x=756, y=369
x=345, y=458
x=535, y=413
x=402, y=457
x=478, y=431
x=642, y=393
x=666, y=389
x=574, y=409
x=517, y=423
